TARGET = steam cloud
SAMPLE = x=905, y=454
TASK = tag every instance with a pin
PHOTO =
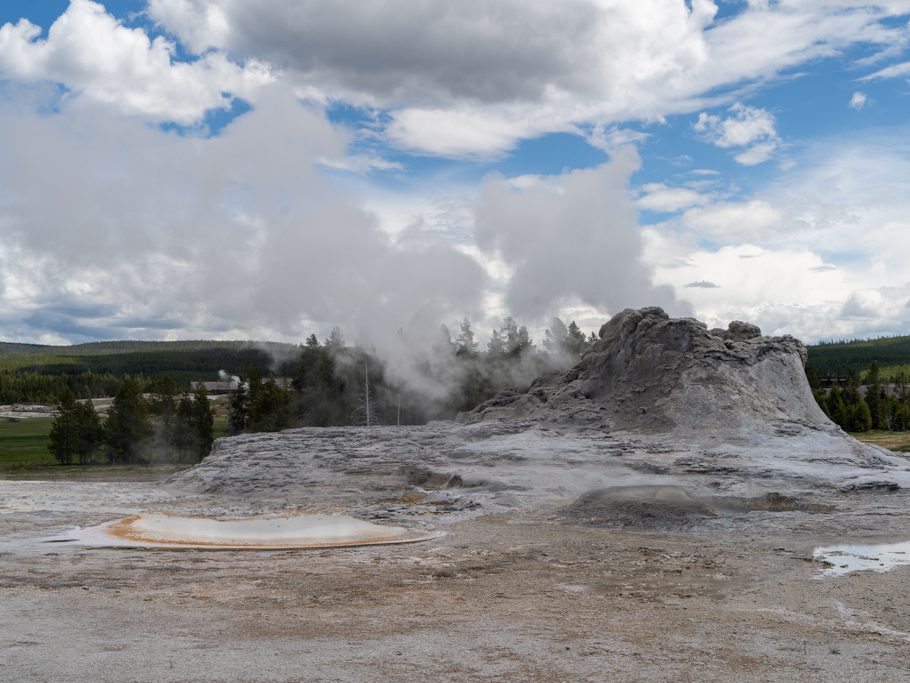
x=570, y=238
x=241, y=236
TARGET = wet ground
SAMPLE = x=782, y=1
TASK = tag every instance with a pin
x=847, y=558
x=256, y=532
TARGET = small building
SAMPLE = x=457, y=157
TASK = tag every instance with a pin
x=216, y=388
x=224, y=387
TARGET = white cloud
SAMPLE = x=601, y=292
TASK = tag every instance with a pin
x=173, y=235
x=745, y=126
x=531, y=68
x=727, y=222
x=455, y=133
x=360, y=163
x=892, y=71
x=757, y=154
x=609, y=138
x=537, y=229
x=820, y=252
x=784, y=291
x=858, y=100
x=659, y=197
x=865, y=304
x=93, y=54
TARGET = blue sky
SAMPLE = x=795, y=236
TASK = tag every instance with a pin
x=192, y=168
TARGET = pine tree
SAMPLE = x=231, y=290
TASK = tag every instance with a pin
x=183, y=436
x=862, y=417
x=335, y=342
x=496, y=345
x=202, y=423
x=63, y=430
x=128, y=427
x=576, y=342
x=556, y=337
x=238, y=409
x=464, y=342
x=89, y=433
x=815, y=381
x=270, y=408
x=837, y=409
x=75, y=432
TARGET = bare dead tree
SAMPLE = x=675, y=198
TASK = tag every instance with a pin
x=365, y=414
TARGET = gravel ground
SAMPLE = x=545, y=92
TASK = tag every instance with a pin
x=527, y=595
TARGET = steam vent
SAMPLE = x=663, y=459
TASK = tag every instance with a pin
x=654, y=374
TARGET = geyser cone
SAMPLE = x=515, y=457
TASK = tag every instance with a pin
x=654, y=374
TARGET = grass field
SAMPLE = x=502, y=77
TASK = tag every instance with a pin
x=24, y=455
x=24, y=442
x=895, y=441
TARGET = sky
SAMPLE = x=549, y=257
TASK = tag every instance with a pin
x=267, y=169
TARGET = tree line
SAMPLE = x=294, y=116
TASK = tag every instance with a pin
x=838, y=358
x=151, y=421
x=50, y=377
x=161, y=427
x=333, y=384
x=860, y=407
x=29, y=386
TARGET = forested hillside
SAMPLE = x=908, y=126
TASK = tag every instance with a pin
x=31, y=373
x=8, y=349
x=838, y=359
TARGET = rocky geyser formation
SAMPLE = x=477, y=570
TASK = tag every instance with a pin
x=664, y=424
x=650, y=373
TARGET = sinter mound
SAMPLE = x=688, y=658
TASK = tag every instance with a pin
x=650, y=373
x=658, y=401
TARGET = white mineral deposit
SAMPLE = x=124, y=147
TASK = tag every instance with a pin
x=248, y=533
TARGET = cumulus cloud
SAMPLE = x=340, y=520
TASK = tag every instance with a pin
x=169, y=235
x=819, y=252
x=745, y=126
x=864, y=304
x=93, y=54
x=570, y=238
x=528, y=68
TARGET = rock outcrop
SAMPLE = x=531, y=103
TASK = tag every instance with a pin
x=650, y=373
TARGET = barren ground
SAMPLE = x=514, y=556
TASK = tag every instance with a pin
x=526, y=595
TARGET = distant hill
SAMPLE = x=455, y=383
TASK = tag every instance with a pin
x=891, y=353
x=131, y=346
x=184, y=360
